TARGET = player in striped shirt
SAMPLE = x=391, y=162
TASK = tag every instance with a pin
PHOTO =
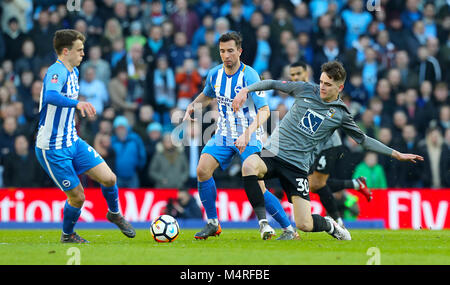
x=60, y=151
x=223, y=83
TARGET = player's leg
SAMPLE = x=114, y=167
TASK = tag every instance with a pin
x=254, y=169
x=58, y=165
x=318, y=185
x=358, y=184
x=275, y=209
x=295, y=184
x=212, y=157
x=89, y=162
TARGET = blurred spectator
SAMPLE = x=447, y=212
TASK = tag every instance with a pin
x=388, y=163
x=380, y=117
x=144, y=118
x=408, y=174
x=199, y=36
x=385, y=50
x=203, y=8
x=94, y=90
x=130, y=153
x=184, y=207
x=118, y=92
x=444, y=118
x=408, y=76
x=101, y=66
x=169, y=162
x=179, y=51
x=267, y=10
x=411, y=107
x=111, y=33
x=367, y=125
x=430, y=111
x=42, y=36
x=188, y=82
x=14, y=39
x=429, y=68
x=356, y=21
x=415, y=39
x=118, y=53
x=301, y=20
x=398, y=34
x=429, y=13
x=19, y=160
x=306, y=47
x=370, y=71
x=400, y=120
x=263, y=50
x=372, y=171
x=165, y=84
x=330, y=51
x=28, y=60
x=94, y=23
x=385, y=94
x=184, y=19
x=356, y=90
x=16, y=9
x=136, y=68
x=135, y=36
x=8, y=133
x=411, y=14
x=152, y=138
x=120, y=13
x=436, y=162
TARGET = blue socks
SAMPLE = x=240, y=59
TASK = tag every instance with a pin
x=111, y=195
x=71, y=215
x=208, y=193
x=274, y=208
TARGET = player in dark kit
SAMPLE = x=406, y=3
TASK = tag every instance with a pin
x=326, y=161
x=289, y=153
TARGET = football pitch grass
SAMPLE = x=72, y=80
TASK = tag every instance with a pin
x=233, y=247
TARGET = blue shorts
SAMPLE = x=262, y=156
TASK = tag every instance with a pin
x=65, y=164
x=224, y=154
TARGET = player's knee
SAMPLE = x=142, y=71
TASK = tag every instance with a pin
x=110, y=181
x=249, y=168
x=305, y=226
x=203, y=173
x=77, y=200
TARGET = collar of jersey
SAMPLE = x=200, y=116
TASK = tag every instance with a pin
x=242, y=66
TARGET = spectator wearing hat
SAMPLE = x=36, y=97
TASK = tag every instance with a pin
x=130, y=153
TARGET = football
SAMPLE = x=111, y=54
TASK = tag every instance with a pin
x=165, y=229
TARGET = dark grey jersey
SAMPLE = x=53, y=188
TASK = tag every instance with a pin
x=310, y=123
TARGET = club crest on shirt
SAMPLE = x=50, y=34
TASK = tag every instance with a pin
x=237, y=89
x=54, y=78
x=331, y=112
x=311, y=122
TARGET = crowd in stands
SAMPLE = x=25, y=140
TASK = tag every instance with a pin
x=146, y=60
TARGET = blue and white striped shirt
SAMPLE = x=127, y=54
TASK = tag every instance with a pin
x=224, y=87
x=56, y=123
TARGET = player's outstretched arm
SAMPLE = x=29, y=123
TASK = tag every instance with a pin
x=201, y=101
x=284, y=86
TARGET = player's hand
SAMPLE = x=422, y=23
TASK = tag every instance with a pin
x=407, y=157
x=188, y=113
x=239, y=99
x=242, y=142
x=86, y=108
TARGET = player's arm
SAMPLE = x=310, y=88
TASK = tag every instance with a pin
x=200, y=102
x=261, y=117
x=289, y=87
x=371, y=144
x=54, y=83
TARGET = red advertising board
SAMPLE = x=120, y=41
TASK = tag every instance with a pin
x=399, y=208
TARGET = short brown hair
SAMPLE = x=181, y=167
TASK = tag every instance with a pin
x=335, y=70
x=231, y=36
x=65, y=39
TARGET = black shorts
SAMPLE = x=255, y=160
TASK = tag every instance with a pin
x=293, y=180
x=326, y=161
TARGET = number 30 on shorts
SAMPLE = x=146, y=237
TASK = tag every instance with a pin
x=303, y=185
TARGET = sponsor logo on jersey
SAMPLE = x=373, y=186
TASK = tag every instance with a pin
x=311, y=122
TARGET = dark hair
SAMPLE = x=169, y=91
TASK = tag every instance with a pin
x=231, y=36
x=334, y=70
x=299, y=64
x=65, y=39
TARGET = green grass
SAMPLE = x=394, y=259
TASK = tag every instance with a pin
x=233, y=247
